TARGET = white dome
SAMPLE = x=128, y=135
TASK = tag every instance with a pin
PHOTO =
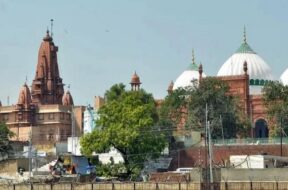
x=258, y=69
x=284, y=78
x=186, y=78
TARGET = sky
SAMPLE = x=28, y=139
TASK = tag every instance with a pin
x=102, y=43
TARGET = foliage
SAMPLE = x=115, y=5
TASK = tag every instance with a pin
x=115, y=92
x=190, y=103
x=172, y=111
x=128, y=124
x=276, y=102
x=224, y=112
x=5, y=134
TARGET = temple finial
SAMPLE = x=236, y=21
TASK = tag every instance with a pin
x=68, y=86
x=244, y=35
x=26, y=79
x=193, y=57
x=51, y=27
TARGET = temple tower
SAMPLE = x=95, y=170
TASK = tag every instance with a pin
x=47, y=86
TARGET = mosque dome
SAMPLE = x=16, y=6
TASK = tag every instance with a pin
x=284, y=78
x=67, y=99
x=24, y=96
x=258, y=70
x=188, y=76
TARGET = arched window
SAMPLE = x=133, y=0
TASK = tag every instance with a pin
x=257, y=82
x=261, y=129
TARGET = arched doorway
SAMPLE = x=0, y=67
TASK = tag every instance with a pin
x=261, y=129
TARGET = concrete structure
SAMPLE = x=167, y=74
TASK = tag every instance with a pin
x=248, y=175
x=257, y=161
x=45, y=114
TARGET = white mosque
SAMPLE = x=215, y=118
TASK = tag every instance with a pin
x=246, y=73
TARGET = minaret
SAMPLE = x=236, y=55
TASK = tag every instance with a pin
x=245, y=68
x=47, y=86
x=200, y=70
x=135, y=82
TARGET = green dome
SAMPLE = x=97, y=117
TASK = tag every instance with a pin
x=193, y=67
x=245, y=48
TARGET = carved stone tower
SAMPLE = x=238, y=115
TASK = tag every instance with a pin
x=47, y=86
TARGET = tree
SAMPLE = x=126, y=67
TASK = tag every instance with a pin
x=276, y=101
x=128, y=124
x=5, y=134
x=190, y=103
x=115, y=92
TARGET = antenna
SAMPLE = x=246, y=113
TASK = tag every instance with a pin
x=51, y=27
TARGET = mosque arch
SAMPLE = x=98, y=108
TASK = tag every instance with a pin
x=261, y=128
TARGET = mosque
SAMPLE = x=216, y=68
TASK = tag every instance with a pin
x=245, y=73
x=45, y=113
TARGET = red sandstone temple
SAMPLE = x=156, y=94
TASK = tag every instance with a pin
x=46, y=114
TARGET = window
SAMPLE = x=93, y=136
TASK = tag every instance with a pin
x=51, y=116
x=41, y=116
x=68, y=116
x=62, y=116
x=5, y=117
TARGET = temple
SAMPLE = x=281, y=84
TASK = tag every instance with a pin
x=46, y=114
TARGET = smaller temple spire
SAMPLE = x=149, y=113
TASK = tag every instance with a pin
x=244, y=35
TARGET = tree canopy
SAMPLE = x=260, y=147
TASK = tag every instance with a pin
x=276, y=102
x=223, y=110
x=127, y=123
x=5, y=134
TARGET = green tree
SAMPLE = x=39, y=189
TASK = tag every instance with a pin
x=128, y=124
x=115, y=92
x=190, y=103
x=5, y=134
x=276, y=101
x=224, y=111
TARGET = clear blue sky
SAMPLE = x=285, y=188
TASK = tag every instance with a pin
x=103, y=42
